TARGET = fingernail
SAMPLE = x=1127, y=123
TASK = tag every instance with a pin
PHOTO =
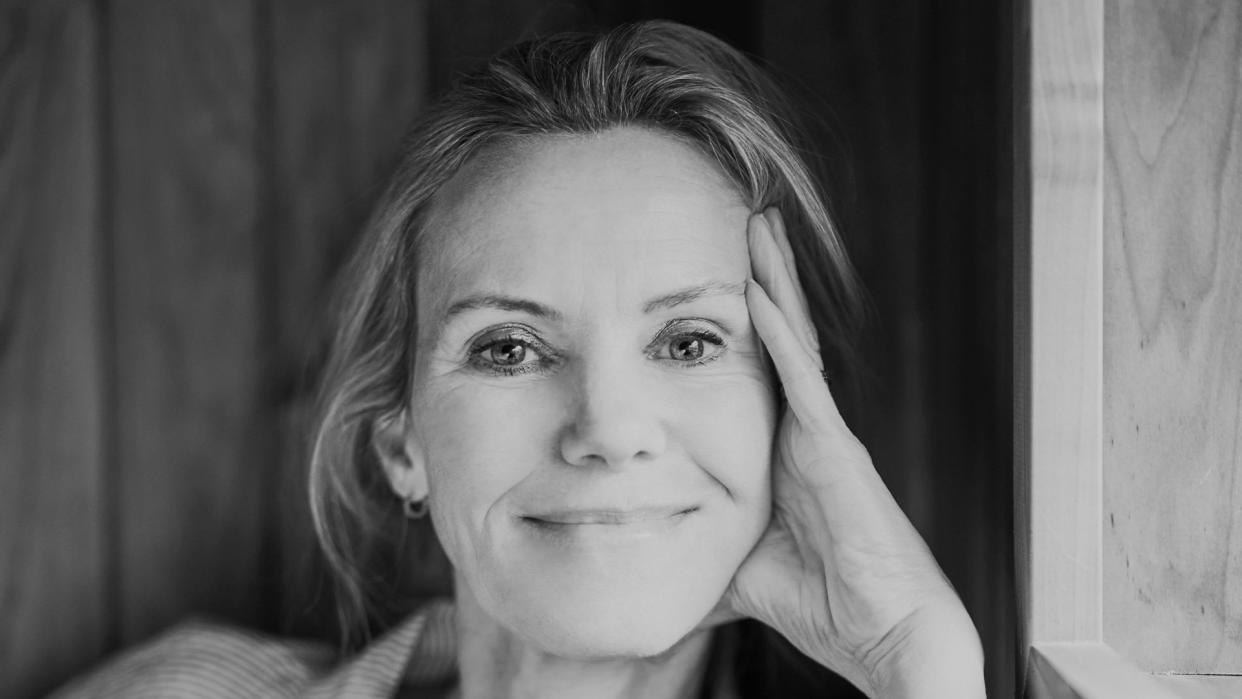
x=771, y=226
x=757, y=225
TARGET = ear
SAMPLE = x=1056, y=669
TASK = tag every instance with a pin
x=392, y=437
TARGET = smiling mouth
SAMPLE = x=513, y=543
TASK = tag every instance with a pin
x=614, y=518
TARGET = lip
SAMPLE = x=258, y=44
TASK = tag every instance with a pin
x=609, y=516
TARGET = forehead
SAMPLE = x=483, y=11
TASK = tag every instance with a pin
x=625, y=211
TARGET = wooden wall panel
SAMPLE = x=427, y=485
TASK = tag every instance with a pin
x=53, y=545
x=1173, y=335
x=194, y=434
x=347, y=79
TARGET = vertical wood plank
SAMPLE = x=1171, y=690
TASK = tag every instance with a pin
x=347, y=79
x=1173, y=335
x=194, y=437
x=1058, y=329
x=52, y=539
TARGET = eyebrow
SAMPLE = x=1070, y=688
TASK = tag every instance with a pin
x=501, y=302
x=694, y=293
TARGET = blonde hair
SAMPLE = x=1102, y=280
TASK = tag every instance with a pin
x=659, y=75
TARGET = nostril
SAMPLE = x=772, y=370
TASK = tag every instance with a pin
x=613, y=420
x=613, y=443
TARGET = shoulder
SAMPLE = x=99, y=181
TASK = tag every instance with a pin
x=204, y=659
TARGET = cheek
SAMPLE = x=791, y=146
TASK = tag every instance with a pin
x=727, y=427
x=479, y=444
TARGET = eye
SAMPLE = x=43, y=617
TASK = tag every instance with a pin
x=506, y=353
x=510, y=351
x=688, y=346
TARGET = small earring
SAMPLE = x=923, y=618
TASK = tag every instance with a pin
x=414, y=509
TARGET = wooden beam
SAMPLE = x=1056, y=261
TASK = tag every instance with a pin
x=1057, y=508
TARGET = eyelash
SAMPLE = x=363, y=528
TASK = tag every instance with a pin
x=517, y=336
x=549, y=358
x=697, y=333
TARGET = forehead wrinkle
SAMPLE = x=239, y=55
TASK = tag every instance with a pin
x=694, y=293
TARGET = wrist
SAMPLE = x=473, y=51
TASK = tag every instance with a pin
x=937, y=654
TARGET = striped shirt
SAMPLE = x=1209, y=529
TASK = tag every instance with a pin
x=198, y=659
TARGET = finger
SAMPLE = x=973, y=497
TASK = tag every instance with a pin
x=780, y=235
x=805, y=391
x=777, y=225
x=771, y=273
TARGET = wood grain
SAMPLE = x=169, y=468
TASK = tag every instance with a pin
x=194, y=435
x=1057, y=483
x=1173, y=335
x=53, y=546
x=347, y=79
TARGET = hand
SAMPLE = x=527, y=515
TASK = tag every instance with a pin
x=841, y=572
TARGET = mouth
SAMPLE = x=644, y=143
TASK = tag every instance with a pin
x=608, y=517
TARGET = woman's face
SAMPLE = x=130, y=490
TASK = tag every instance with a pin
x=590, y=399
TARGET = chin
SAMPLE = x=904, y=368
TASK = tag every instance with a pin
x=605, y=636
x=618, y=618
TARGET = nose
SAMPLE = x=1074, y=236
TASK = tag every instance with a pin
x=614, y=420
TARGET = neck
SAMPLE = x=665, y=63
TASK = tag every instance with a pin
x=494, y=662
